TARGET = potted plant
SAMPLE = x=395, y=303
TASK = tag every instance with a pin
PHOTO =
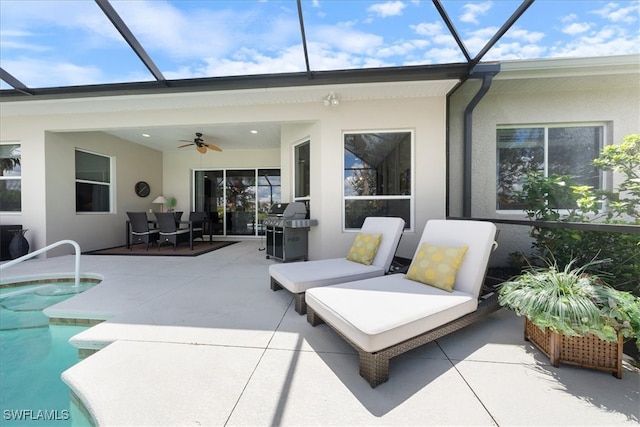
x=572, y=316
x=171, y=204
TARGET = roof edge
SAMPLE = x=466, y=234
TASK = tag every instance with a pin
x=369, y=75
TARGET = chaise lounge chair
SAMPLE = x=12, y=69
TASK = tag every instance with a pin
x=386, y=316
x=298, y=277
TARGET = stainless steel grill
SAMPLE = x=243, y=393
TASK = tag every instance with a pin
x=287, y=230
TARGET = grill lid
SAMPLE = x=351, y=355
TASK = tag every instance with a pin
x=277, y=209
x=295, y=210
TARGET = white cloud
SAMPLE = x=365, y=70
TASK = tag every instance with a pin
x=30, y=72
x=576, y=28
x=443, y=55
x=514, y=50
x=401, y=49
x=472, y=10
x=428, y=28
x=383, y=10
x=525, y=35
x=249, y=61
x=569, y=18
x=345, y=39
x=608, y=40
x=623, y=14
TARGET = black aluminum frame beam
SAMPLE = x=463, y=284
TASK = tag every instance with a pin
x=122, y=28
x=452, y=28
x=304, y=38
x=15, y=83
x=505, y=27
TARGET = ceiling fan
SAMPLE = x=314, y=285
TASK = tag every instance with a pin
x=201, y=146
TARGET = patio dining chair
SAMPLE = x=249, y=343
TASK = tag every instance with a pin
x=140, y=230
x=197, y=220
x=386, y=316
x=170, y=232
x=358, y=264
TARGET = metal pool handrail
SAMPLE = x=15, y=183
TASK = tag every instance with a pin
x=51, y=246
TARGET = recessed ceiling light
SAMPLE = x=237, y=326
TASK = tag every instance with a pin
x=146, y=135
x=254, y=131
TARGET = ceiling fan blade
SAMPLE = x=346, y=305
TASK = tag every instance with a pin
x=212, y=147
x=186, y=140
x=202, y=149
x=185, y=145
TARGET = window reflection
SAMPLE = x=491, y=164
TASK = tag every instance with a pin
x=377, y=176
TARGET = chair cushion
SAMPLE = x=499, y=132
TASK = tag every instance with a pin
x=437, y=265
x=297, y=277
x=364, y=248
x=380, y=312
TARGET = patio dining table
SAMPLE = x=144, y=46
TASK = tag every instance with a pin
x=154, y=223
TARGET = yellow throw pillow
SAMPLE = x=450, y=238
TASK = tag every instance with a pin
x=364, y=248
x=437, y=265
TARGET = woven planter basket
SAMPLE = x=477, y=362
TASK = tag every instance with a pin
x=587, y=352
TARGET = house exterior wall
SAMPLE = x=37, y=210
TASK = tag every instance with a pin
x=538, y=92
x=131, y=163
x=610, y=96
x=48, y=143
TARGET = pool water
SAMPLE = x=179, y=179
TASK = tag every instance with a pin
x=33, y=355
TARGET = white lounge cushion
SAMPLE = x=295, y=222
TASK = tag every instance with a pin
x=384, y=311
x=380, y=312
x=299, y=276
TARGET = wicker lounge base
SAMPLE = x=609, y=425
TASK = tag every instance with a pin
x=374, y=367
x=587, y=352
x=300, y=304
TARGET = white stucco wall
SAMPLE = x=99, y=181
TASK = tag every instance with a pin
x=611, y=98
x=131, y=163
x=49, y=140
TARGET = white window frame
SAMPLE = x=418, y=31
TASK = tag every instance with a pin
x=14, y=178
x=306, y=199
x=109, y=184
x=546, y=126
x=410, y=197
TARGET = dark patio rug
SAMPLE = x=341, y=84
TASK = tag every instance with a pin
x=199, y=248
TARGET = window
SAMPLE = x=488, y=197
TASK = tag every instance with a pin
x=93, y=182
x=302, y=174
x=10, y=178
x=377, y=176
x=561, y=150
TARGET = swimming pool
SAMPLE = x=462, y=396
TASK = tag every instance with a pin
x=34, y=353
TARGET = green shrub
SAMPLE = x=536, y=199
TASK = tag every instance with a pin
x=559, y=198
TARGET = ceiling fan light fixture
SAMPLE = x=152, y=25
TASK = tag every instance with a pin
x=199, y=143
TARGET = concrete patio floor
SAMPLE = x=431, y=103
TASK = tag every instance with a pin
x=204, y=341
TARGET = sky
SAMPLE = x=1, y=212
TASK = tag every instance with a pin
x=71, y=42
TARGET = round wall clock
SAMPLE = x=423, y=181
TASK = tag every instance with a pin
x=142, y=189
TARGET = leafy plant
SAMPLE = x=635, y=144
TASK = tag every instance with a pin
x=624, y=159
x=557, y=198
x=171, y=203
x=572, y=302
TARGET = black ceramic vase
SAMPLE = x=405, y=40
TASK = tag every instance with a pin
x=19, y=246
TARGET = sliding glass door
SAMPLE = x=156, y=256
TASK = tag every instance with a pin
x=240, y=201
x=236, y=199
x=209, y=197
